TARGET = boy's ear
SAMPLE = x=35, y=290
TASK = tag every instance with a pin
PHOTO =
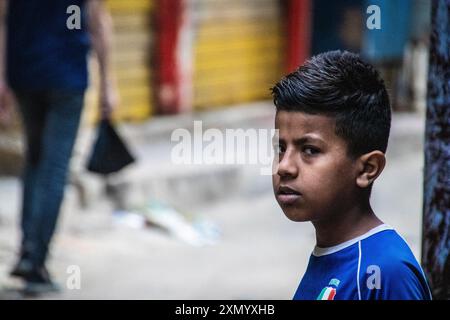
x=370, y=165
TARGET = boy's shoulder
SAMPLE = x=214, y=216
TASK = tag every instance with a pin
x=386, y=246
x=389, y=267
x=389, y=252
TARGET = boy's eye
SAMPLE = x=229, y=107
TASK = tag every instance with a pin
x=310, y=150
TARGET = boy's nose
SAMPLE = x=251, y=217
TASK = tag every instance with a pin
x=287, y=166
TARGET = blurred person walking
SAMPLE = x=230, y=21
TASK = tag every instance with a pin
x=44, y=46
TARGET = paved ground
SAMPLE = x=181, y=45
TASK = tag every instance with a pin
x=260, y=255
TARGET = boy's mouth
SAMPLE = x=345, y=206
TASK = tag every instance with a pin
x=286, y=195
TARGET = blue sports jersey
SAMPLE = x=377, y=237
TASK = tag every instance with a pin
x=378, y=265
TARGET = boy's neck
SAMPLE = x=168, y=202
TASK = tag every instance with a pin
x=355, y=222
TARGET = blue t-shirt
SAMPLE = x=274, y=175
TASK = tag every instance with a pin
x=378, y=265
x=42, y=52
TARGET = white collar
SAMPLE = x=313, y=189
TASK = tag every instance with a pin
x=318, y=251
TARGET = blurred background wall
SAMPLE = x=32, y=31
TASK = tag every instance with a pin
x=182, y=55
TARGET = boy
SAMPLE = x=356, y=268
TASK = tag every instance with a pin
x=333, y=116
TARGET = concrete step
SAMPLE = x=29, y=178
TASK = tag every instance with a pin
x=155, y=176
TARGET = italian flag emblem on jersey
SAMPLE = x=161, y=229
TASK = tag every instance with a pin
x=329, y=291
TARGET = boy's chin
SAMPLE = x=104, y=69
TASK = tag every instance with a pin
x=296, y=215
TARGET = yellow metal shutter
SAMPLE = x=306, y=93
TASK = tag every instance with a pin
x=238, y=51
x=131, y=61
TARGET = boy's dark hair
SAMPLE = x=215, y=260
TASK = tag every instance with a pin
x=341, y=85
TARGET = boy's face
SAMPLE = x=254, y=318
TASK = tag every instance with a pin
x=314, y=177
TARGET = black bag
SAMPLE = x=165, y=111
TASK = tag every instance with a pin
x=109, y=153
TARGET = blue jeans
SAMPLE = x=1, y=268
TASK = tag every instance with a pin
x=51, y=120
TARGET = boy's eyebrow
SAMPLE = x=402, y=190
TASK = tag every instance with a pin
x=307, y=138
x=299, y=141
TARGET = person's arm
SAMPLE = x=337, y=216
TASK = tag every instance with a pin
x=5, y=93
x=100, y=28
